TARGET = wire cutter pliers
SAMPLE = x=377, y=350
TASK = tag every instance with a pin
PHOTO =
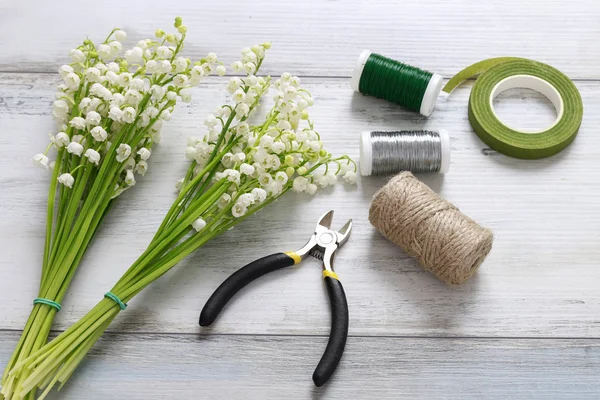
x=322, y=245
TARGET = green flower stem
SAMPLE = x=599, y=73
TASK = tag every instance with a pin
x=176, y=206
x=50, y=213
x=163, y=242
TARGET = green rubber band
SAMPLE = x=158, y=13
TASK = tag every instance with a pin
x=47, y=302
x=116, y=299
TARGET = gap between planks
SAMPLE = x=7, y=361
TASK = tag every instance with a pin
x=228, y=76
x=55, y=332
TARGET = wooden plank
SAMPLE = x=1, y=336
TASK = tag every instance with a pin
x=272, y=367
x=317, y=37
x=540, y=279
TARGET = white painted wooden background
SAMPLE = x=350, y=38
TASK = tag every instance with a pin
x=526, y=326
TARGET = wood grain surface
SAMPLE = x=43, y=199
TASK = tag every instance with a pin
x=526, y=326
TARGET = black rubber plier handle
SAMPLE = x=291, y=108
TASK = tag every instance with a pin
x=322, y=245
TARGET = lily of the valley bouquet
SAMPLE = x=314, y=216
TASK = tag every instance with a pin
x=109, y=112
x=239, y=165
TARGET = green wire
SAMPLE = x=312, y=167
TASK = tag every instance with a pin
x=394, y=81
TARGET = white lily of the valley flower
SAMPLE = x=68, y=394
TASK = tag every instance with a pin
x=300, y=184
x=123, y=152
x=259, y=194
x=77, y=55
x=93, y=156
x=93, y=118
x=350, y=177
x=144, y=153
x=99, y=134
x=75, y=148
x=141, y=167
x=128, y=115
x=61, y=139
x=41, y=161
x=199, y=224
x=129, y=178
x=238, y=210
x=77, y=123
x=72, y=81
x=104, y=51
x=120, y=35
x=65, y=70
x=67, y=180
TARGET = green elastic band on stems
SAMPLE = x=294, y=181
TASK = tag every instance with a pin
x=47, y=302
x=116, y=299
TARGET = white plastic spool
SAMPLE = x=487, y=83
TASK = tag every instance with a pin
x=533, y=83
x=431, y=93
x=366, y=153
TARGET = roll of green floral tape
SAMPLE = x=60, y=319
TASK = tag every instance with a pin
x=499, y=74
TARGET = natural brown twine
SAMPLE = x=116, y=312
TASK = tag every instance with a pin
x=444, y=241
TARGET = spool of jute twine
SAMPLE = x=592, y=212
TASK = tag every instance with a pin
x=446, y=242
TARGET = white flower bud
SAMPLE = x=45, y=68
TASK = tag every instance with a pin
x=123, y=152
x=199, y=224
x=60, y=108
x=171, y=96
x=180, y=80
x=104, y=51
x=62, y=139
x=141, y=167
x=350, y=177
x=300, y=184
x=186, y=96
x=113, y=67
x=75, y=148
x=77, y=55
x=129, y=178
x=72, y=80
x=164, y=66
x=115, y=113
x=164, y=52
x=67, y=180
x=99, y=134
x=246, y=169
x=40, y=160
x=281, y=177
x=179, y=65
x=129, y=115
x=93, y=156
x=65, y=70
x=93, y=118
x=77, y=123
x=144, y=153
x=238, y=210
x=151, y=67
x=120, y=35
x=259, y=194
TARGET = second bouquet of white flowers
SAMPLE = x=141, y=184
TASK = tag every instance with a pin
x=237, y=168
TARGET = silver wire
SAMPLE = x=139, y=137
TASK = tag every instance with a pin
x=415, y=151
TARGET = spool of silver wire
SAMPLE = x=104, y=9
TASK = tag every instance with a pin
x=386, y=153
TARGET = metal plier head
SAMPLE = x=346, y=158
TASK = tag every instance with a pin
x=324, y=242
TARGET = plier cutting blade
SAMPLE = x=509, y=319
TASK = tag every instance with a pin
x=322, y=245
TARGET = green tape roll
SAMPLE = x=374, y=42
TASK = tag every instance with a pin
x=499, y=74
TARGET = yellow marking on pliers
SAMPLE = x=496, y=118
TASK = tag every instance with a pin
x=330, y=274
x=294, y=257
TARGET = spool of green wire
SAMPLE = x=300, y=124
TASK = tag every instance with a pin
x=399, y=83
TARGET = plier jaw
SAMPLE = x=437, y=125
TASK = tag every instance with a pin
x=324, y=242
